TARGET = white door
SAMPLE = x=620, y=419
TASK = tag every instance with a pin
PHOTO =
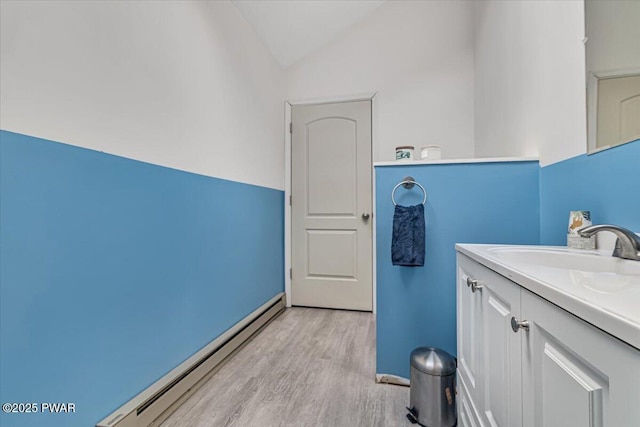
x=331, y=253
x=618, y=110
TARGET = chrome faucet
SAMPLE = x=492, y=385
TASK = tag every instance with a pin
x=627, y=244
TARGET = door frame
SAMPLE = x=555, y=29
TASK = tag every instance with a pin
x=287, y=181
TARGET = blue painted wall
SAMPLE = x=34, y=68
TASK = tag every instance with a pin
x=114, y=271
x=470, y=203
x=606, y=183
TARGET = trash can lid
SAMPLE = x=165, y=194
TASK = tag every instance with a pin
x=433, y=361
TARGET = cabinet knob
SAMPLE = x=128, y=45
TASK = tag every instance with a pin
x=365, y=216
x=473, y=283
x=519, y=324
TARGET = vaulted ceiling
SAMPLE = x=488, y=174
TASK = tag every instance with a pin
x=292, y=29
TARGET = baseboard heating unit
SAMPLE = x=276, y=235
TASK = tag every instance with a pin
x=156, y=403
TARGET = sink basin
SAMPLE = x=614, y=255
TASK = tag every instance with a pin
x=568, y=259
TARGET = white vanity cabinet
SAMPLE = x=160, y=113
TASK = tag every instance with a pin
x=555, y=371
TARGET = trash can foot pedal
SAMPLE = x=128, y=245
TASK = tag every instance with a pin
x=411, y=416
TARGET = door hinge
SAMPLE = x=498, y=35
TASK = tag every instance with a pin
x=290, y=127
x=291, y=273
x=290, y=200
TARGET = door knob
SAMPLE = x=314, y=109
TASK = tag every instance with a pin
x=365, y=216
x=517, y=324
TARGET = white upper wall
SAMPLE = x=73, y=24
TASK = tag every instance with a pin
x=418, y=57
x=530, y=79
x=293, y=29
x=187, y=85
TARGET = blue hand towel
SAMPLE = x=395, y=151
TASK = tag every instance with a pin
x=407, y=242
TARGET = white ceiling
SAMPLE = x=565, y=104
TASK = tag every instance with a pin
x=292, y=29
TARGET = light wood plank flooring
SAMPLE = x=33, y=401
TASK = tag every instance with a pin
x=310, y=367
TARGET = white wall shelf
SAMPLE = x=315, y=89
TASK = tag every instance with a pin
x=456, y=161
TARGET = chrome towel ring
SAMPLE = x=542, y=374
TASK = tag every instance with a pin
x=408, y=182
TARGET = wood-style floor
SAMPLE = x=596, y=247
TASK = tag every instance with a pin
x=309, y=367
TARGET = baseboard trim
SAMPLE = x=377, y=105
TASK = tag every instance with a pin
x=392, y=379
x=157, y=402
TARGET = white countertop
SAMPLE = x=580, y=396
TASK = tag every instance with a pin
x=454, y=161
x=613, y=307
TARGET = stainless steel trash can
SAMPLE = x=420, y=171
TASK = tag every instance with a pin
x=433, y=394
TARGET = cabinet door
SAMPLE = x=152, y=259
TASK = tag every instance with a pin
x=573, y=373
x=469, y=318
x=467, y=417
x=502, y=382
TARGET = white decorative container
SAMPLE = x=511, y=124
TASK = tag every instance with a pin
x=405, y=153
x=430, y=152
x=577, y=221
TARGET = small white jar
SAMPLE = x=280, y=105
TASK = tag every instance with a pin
x=430, y=152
